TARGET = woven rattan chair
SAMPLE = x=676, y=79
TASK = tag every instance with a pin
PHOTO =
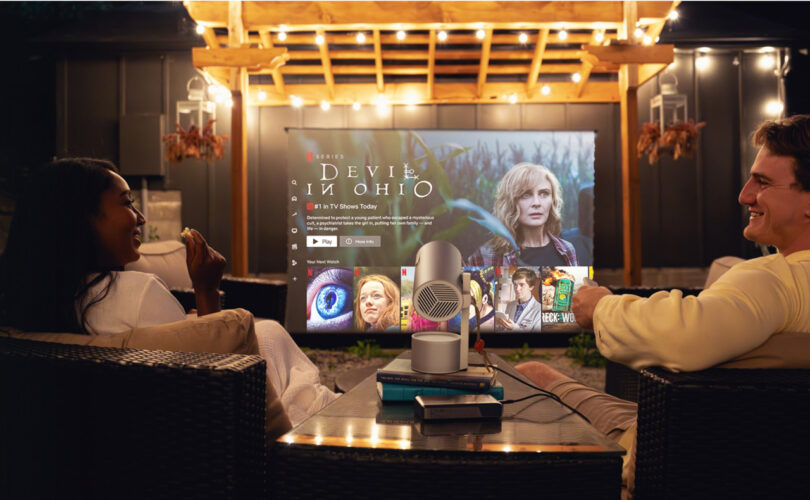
x=723, y=433
x=92, y=422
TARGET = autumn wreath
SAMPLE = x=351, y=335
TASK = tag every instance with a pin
x=678, y=139
x=183, y=144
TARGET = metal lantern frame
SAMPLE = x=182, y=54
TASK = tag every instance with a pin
x=199, y=109
x=669, y=106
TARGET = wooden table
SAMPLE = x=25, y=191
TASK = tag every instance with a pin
x=358, y=447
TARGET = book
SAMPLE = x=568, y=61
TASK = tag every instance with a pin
x=401, y=392
x=474, y=378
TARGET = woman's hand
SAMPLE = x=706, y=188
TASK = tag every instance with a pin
x=205, y=267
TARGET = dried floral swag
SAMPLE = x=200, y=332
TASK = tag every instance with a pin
x=679, y=139
x=183, y=144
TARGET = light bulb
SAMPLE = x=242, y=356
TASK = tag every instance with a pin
x=523, y=38
x=480, y=34
x=702, y=62
x=513, y=98
x=545, y=89
x=400, y=35
x=296, y=101
x=442, y=36
x=325, y=105
x=361, y=38
x=355, y=105
x=766, y=61
x=673, y=15
x=576, y=77
x=646, y=40
x=774, y=107
x=638, y=33
x=282, y=35
x=262, y=95
x=200, y=29
x=319, y=40
x=562, y=34
x=600, y=36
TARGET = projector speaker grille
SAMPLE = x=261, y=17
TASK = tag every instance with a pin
x=438, y=300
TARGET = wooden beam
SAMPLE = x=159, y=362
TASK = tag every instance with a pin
x=239, y=176
x=647, y=71
x=378, y=61
x=390, y=39
x=395, y=54
x=631, y=185
x=537, y=60
x=210, y=38
x=239, y=57
x=409, y=69
x=484, y=64
x=278, y=79
x=326, y=63
x=444, y=93
x=431, y=63
x=629, y=54
x=584, y=74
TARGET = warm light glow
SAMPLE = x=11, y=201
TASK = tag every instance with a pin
x=657, y=39
x=673, y=15
x=361, y=38
x=230, y=103
x=262, y=95
x=638, y=33
x=404, y=444
x=576, y=77
x=289, y=439
x=319, y=40
x=400, y=35
x=442, y=36
x=325, y=105
x=480, y=34
x=296, y=101
x=766, y=61
x=774, y=107
x=600, y=36
x=513, y=99
x=545, y=90
x=411, y=101
x=382, y=105
x=766, y=49
x=282, y=35
x=702, y=62
x=355, y=105
x=200, y=29
x=318, y=440
x=704, y=50
x=646, y=40
x=523, y=38
x=507, y=448
x=562, y=34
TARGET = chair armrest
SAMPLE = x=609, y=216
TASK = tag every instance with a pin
x=264, y=298
x=722, y=433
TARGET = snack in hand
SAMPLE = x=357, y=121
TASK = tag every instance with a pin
x=186, y=233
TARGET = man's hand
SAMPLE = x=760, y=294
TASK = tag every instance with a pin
x=584, y=302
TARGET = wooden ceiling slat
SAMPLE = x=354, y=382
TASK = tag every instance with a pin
x=482, y=68
x=326, y=64
x=407, y=69
x=378, y=61
x=278, y=80
x=210, y=38
x=431, y=64
x=390, y=39
x=439, y=54
x=537, y=60
x=584, y=74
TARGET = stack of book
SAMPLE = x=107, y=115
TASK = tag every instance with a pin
x=397, y=381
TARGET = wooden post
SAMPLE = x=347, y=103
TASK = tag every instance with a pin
x=239, y=95
x=631, y=190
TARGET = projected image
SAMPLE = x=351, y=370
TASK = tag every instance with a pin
x=482, y=291
x=376, y=300
x=518, y=300
x=558, y=285
x=411, y=321
x=372, y=198
x=329, y=299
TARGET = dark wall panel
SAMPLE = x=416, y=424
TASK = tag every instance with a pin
x=91, y=123
x=143, y=84
x=544, y=116
x=456, y=116
x=498, y=116
x=415, y=117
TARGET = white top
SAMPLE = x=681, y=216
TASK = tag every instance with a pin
x=736, y=314
x=135, y=300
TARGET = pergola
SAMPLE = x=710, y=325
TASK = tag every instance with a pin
x=342, y=53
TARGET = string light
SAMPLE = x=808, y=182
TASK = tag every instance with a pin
x=562, y=34
x=523, y=38
x=262, y=95
x=702, y=62
x=513, y=99
x=200, y=29
x=545, y=90
x=400, y=35
x=319, y=40
x=325, y=105
x=599, y=37
x=638, y=33
x=480, y=34
x=576, y=77
x=766, y=61
x=673, y=15
x=282, y=35
x=774, y=107
x=647, y=40
x=355, y=105
x=442, y=36
x=296, y=101
x=382, y=105
x=361, y=38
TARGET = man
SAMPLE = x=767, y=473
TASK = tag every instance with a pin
x=525, y=313
x=755, y=315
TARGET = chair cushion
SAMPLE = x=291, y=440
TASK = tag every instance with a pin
x=166, y=259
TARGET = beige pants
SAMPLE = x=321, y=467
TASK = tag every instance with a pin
x=614, y=417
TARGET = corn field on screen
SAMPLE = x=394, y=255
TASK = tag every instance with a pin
x=517, y=204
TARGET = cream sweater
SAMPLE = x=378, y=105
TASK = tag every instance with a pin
x=755, y=312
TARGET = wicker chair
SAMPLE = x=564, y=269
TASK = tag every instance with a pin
x=723, y=433
x=92, y=422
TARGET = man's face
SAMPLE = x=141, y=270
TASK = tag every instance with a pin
x=778, y=208
x=523, y=291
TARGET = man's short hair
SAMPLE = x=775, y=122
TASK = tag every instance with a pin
x=527, y=274
x=789, y=137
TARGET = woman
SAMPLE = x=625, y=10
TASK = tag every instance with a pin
x=74, y=229
x=377, y=304
x=528, y=202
